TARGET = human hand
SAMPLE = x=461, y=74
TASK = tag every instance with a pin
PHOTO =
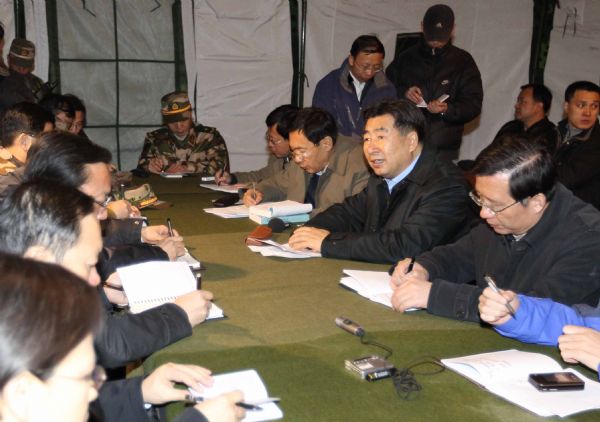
x=177, y=168
x=155, y=165
x=222, y=177
x=412, y=293
x=173, y=246
x=308, y=238
x=119, y=209
x=154, y=234
x=196, y=305
x=492, y=305
x=414, y=94
x=116, y=297
x=580, y=344
x=401, y=272
x=436, y=107
x=252, y=197
x=159, y=386
x=223, y=408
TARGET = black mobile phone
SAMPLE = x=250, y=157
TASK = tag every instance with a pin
x=556, y=381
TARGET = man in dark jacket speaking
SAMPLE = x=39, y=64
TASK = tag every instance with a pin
x=442, y=79
x=412, y=203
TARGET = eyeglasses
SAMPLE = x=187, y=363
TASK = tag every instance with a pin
x=109, y=198
x=369, y=67
x=97, y=377
x=475, y=197
x=273, y=141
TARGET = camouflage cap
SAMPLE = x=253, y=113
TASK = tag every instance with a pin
x=22, y=53
x=176, y=107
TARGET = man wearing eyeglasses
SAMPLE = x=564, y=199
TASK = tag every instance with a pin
x=441, y=79
x=326, y=168
x=539, y=240
x=357, y=84
x=278, y=122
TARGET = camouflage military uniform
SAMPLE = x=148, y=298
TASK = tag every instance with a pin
x=203, y=151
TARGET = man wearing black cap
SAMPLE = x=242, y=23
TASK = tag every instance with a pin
x=21, y=85
x=441, y=79
x=180, y=147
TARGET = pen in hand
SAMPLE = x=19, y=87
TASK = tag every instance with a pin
x=492, y=285
x=170, y=227
x=253, y=194
x=409, y=269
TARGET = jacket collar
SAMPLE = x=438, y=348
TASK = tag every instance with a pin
x=378, y=80
x=582, y=136
x=338, y=161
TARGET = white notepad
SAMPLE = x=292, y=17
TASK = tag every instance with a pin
x=151, y=284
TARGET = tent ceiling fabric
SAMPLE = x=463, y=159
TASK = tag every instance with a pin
x=576, y=56
x=244, y=70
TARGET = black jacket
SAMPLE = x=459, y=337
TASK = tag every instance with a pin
x=578, y=163
x=448, y=70
x=122, y=401
x=428, y=208
x=127, y=337
x=556, y=259
x=545, y=131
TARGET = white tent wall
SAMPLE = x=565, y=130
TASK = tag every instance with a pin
x=244, y=70
x=144, y=45
x=7, y=18
x=496, y=33
x=576, y=55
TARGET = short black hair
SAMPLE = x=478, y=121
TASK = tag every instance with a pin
x=76, y=102
x=369, y=44
x=43, y=213
x=20, y=118
x=315, y=123
x=529, y=164
x=62, y=157
x=407, y=117
x=282, y=116
x=55, y=103
x=580, y=86
x=541, y=94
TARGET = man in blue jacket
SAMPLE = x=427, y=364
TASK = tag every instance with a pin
x=576, y=330
x=357, y=84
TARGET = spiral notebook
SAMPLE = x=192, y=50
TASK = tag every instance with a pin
x=151, y=284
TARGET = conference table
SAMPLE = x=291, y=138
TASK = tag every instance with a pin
x=280, y=322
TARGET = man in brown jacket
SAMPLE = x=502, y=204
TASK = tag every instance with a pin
x=326, y=168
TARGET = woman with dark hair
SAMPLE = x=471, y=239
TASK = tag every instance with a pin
x=48, y=371
x=47, y=320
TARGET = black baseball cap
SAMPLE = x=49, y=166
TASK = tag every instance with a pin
x=438, y=23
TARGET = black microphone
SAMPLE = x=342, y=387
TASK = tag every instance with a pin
x=350, y=326
x=278, y=225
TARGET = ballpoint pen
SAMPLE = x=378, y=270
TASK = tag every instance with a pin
x=492, y=285
x=170, y=227
x=409, y=269
x=253, y=191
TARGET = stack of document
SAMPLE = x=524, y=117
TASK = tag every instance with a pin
x=506, y=374
x=288, y=211
x=254, y=390
x=220, y=188
x=151, y=284
x=235, y=211
x=272, y=248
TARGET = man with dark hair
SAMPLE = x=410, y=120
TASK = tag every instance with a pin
x=539, y=239
x=326, y=168
x=531, y=116
x=412, y=202
x=358, y=83
x=79, y=121
x=278, y=122
x=578, y=155
x=67, y=232
x=21, y=84
x=442, y=79
x=19, y=126
x=180, y=146
x=62, y=110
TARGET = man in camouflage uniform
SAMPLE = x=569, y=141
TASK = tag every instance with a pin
x=21, y=84
x=181, y=147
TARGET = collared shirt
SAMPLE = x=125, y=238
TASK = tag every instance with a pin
x=358, y=85
x=393, y=182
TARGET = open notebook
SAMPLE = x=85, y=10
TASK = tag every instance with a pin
x=151, y=284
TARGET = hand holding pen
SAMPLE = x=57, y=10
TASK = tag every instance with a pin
x=490, y=301
x=252, y=196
